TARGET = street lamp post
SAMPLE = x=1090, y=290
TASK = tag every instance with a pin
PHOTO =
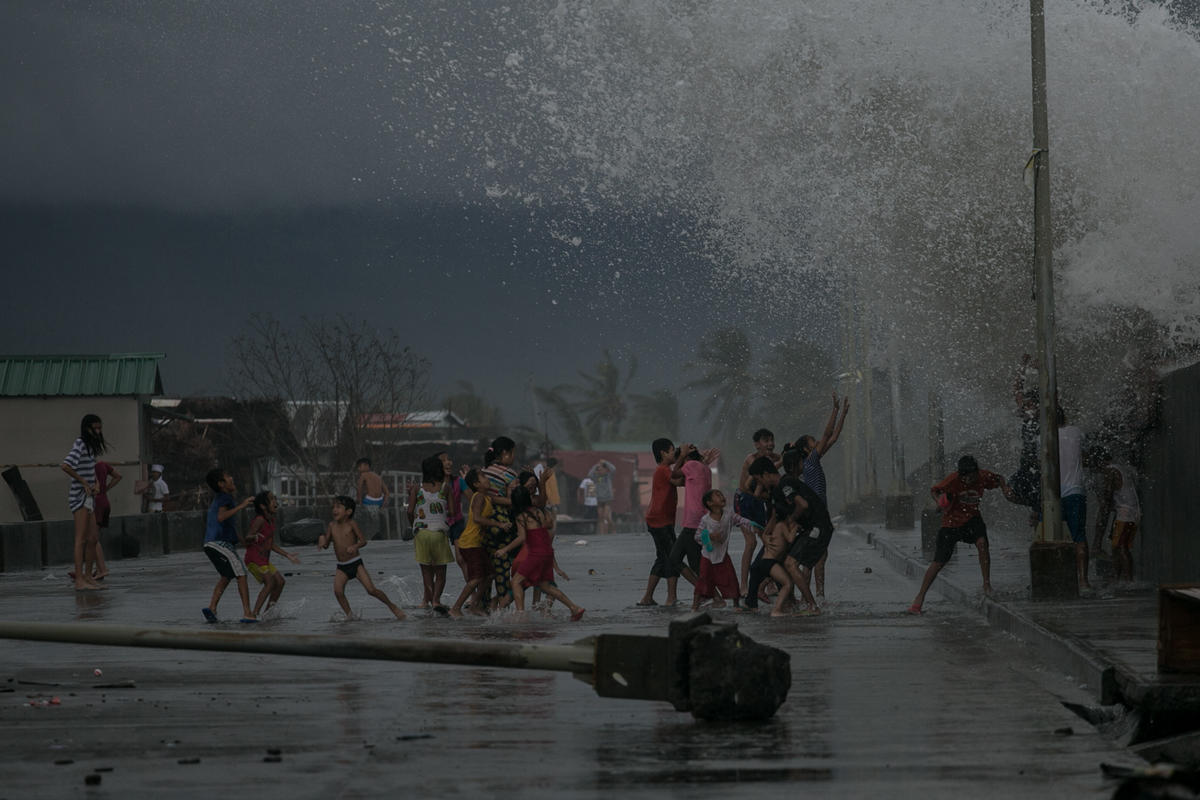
x=1052, y=562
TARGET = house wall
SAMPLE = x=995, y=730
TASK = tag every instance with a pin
x=36, y=433
x=1167, y=549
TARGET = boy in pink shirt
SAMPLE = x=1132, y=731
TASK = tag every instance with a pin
x=697, y=481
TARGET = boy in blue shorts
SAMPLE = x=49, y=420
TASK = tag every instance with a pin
x=221, y=539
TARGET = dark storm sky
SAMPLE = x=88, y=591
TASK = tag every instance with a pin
x=168, y=169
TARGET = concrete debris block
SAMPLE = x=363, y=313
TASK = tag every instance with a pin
x=302, y=531
x=731, y=677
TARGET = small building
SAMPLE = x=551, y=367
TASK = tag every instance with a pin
x=42, y=401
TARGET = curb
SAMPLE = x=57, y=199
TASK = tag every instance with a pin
x=1099, y=677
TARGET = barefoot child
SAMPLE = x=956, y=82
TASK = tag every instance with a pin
x=221, y=539
x=776, y=539
x=260, y=543
x=480, y=515
x=428, y=508
x=958, y=495
x=535, y=528
x=347, y=540
x=718, y=579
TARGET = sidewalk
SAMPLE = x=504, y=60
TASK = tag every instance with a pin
x=1108, y=641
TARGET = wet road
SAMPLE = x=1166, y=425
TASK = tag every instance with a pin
x=881, y=704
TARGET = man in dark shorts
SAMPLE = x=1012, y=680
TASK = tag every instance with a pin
x=958, y=495
x=793, y=498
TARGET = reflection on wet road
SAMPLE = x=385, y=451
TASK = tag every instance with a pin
x=881, y=704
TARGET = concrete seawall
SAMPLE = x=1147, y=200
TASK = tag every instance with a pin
x=26, y=546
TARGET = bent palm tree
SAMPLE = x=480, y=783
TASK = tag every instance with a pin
x=602, y=398
x=723, y=361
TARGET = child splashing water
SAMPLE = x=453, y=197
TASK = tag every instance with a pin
x=480, y=517
x=535, y=528
x=260, y=543
x=347, y=540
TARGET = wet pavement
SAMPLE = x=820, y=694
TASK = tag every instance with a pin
x=1107, y=639
x=881, y=704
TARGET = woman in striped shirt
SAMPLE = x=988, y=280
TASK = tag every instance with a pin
x=80, y=464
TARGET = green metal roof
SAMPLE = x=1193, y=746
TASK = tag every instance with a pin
x=80, y=376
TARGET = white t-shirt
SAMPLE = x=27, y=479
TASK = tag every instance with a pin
x=588, y=487
x=159, y=492
x=1070, y=461
x=722, y=528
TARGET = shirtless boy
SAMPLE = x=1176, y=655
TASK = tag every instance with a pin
x=745, y=501
x=777, y=538
x=372, y=494
x=347, y=540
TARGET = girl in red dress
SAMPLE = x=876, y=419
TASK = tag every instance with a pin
x=535, y=567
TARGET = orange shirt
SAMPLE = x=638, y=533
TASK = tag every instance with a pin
x=664, y=498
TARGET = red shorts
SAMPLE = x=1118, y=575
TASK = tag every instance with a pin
x=717, y=578
x=477, y=561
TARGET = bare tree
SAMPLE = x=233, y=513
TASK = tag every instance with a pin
x=343, y=383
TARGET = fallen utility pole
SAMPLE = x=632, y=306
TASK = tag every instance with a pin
x=703, y=667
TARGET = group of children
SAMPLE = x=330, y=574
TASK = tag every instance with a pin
x=784, y=517
x=494, y=522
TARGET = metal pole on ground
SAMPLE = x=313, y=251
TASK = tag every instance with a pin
x=708, y=669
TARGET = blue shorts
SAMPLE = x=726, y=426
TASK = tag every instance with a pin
x=1074, y=512
x=751, y=508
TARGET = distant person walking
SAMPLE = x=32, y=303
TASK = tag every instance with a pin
x=602, y=475
x=80, y=465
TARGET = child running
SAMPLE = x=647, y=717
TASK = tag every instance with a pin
x=718, y=579
x=347, y=540
x=480, y=515
x=535, y=532
x=221, y=539
x=260, y=543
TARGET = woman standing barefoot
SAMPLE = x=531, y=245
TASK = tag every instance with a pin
x=80, y=464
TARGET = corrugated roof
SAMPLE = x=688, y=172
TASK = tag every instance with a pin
x=80, y=376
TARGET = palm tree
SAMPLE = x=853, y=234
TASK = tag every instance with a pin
x=723, y=364
x=568, y=418
x=795, y=382
x=601, y=400
x=655, y=414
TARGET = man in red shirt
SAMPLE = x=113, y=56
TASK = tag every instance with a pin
x=958, y=495
x=660, y=519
